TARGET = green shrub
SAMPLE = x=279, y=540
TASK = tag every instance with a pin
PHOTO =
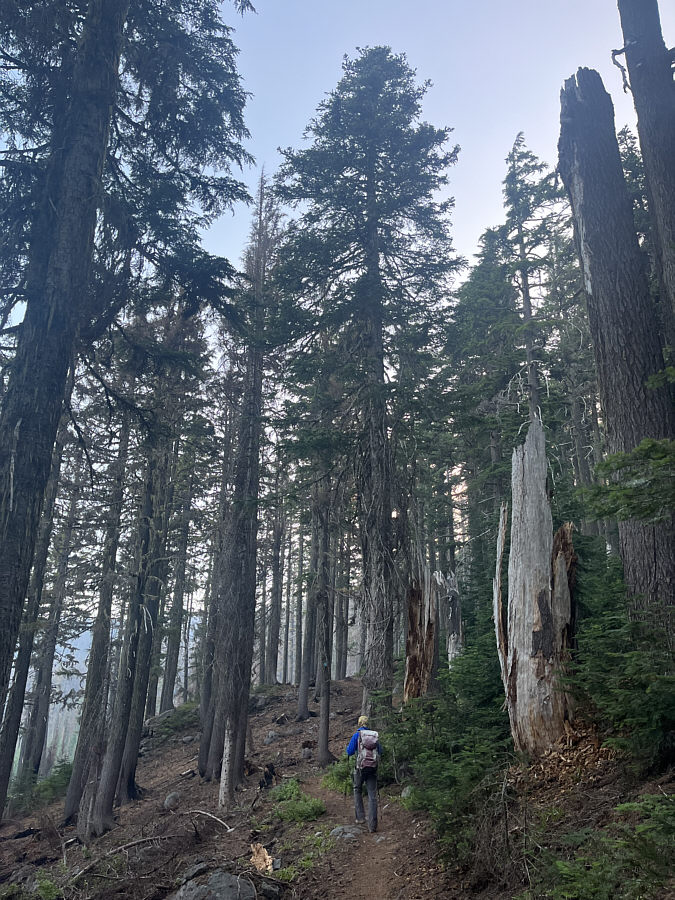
x=453, y=746
x=293, y=805
x=304, y=809
x=28, y=794
x=182, y=718
x=55, y=785
x=46, y=889
x=338, y=778
x=287, y=790
x=622, y=668
x=625, y=861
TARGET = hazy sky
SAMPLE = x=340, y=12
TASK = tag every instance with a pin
x=497, y=67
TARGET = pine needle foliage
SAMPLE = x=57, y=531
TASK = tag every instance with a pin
x=623, y=669
x=451, y=747
x=628, y=859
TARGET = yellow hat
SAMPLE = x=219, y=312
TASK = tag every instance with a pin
x=363, y=720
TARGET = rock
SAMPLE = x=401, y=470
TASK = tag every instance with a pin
x=172, y=800
x=271, y=737
x=346, y=832
x=406, y=792
x=188, y=739
x=306, y=753
x=219, y=886
x=194, y=871
x=378, y=840
x=270, y=890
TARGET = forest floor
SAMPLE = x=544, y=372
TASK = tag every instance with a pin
x=154, y=850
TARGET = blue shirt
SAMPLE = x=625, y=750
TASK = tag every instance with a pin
x=353, y=745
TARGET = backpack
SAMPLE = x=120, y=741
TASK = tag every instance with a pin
x=367, y=755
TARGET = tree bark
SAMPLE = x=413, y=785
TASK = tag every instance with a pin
x=287, y=611
x=12, y=720
x=155, y=564
x=37, y=729
x=374, y=477
x=96, y=806
x=621, y=319
x=310, y=624
x=92, y=719
x=346, y=588
x=176, y=614
x=161, y=568
x=534, y=638
x=277, y=563
x=650, y=64
x=57, y=279
x=298, y=608
x=421, y=637
x=323, y=498
x=455, y=625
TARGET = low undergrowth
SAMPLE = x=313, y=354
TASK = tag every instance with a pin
x=629, y=858
x=29, y=795
x=292, y=805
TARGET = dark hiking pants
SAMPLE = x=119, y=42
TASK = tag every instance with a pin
x=369, y=778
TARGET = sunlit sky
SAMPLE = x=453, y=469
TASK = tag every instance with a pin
x=496, y=66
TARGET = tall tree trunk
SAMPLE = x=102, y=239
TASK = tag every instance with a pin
x=162, y=577
x=340, y=597
x=36, y=733
x=621, y=319
x=533, y=639
x=310, y=623
x=374, y=478
x=92, y=719
x=57, y=279
x=532, y=376
x=262, y=629
x=12, y=720
x=298, y=608
x=176, y=614
x=154, y=583
x=96, y=806
x=235, y=638
x=347, y=569
x=650, y=65
x=211, y=610
x=186, y=651
x=287, y=611
x=277, y=562
x=234, y=643
x=455, y=624
x=422, y=627
x=323, y=500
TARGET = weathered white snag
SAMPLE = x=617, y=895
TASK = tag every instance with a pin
x=533, y=641
x=449, y=590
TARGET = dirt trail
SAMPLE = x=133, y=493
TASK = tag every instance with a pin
x=399, y=861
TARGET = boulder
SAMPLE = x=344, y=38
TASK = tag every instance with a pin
x=219, y=885
x=172, y=800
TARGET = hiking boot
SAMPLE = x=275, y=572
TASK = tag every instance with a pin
x=360, y=821
x=372, y=829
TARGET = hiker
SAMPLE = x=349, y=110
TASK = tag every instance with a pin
x=366, y=745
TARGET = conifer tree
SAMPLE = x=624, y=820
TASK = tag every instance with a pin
x=61, y=93
x=371, y=254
